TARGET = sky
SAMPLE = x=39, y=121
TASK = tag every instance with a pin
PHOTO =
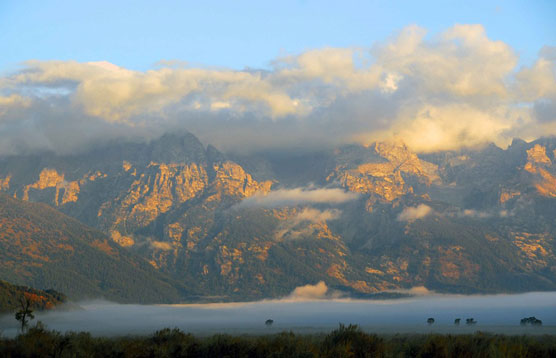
x=240, y=34
x=253, y=75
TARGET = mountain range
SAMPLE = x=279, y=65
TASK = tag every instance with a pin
x=173, y=220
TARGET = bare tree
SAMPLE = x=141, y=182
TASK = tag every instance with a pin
x=25, y=313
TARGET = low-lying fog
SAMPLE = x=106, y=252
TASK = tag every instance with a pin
x=497, y=313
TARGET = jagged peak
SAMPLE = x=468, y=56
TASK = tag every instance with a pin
x=518, y=142
x=392, y=150
x=397, y=143
x=396, y=148
x=177, y=147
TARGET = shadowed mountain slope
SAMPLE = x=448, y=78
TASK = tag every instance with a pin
x=44, y=248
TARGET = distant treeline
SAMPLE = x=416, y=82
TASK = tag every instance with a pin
x=346, y=341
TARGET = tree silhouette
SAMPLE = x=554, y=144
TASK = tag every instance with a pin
x=457, y=321
x=533, y=321
x=470, y=321
x=430, y=321
x=25, y=313
x=269, y=322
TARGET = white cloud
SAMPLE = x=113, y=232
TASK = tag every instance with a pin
x=478, y=214
x=457, y=88
x=462, y=61
x=298, y=196
x=415, y=213
x=301, y=224
x=539, y=80
x=310, y=292
x=315, y=215
x=161, y=245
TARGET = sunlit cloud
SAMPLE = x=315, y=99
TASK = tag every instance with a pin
x=458, y=88
x=310, y=291
x=416, y=291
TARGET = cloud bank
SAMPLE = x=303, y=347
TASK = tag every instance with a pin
x=453, y=89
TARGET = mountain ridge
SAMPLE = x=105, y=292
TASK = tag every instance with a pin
x=416, y=220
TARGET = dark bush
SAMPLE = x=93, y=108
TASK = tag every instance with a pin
x=350, y=341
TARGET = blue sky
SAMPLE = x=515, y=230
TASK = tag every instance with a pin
x=239, y=34
x=261, y=75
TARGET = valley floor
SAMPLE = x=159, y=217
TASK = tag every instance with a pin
x=496, y=314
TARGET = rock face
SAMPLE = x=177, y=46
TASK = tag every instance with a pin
x=382, y=177
x=540, y=165
x=152, y=191
x=131, y=191
x=468, y=221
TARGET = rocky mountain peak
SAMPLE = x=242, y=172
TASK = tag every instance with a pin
x=384, y=172
x=180, y=147
x=430, y=219
x=537, y=155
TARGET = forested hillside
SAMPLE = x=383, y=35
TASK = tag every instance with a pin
x=43, y=248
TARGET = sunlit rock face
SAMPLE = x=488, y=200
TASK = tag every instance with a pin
x=5, y=182
x=382, y=173
x=64, y=191
x=542, y=169
x=153, y=190
x=132, y=190
x=537, y=155
x=473, y=220
x=230, y=179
